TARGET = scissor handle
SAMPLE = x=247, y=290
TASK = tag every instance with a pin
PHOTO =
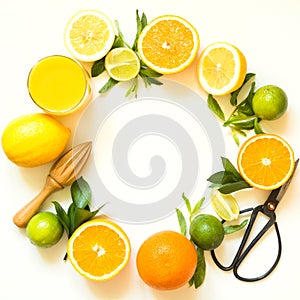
x=241, y=253
x=249, y=248
x=230, y=267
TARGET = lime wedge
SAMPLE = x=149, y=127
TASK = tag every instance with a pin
x=225, y=205
x=122, y=64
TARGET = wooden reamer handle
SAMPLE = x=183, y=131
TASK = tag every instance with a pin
x=22, y=217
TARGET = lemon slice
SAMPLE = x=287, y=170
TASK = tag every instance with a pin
x=225, y=205
x=122, y=64
x=221, y=68
x=89, y=35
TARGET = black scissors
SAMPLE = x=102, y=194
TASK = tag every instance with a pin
x=268, y=209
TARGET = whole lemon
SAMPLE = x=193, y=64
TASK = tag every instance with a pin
x=35, y=139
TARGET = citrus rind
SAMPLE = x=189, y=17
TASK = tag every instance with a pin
x=110, y=225
x=240, y=69
x=182, y=66
x=289, y=156
x=78, y=39
x=122, y=64
x=225, y=206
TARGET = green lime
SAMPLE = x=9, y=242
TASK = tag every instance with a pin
x=44, y=229
x=122, y=64
x=207, y=231
x=269, y=102
x=225, y=205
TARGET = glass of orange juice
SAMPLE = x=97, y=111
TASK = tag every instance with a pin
x=59, y=85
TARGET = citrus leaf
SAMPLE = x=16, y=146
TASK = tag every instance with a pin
x=230, y=168
x=62, y=216
x=200, y=271
x=97, y=67
x=215, y=107
x=187, y=203
x=108, y=85
x=81, y=193
x=197, y=206
x=234, y=95
x=228, y=229
x=217, y=177
x=231, y=187
x=257, y=128
x=181, y=221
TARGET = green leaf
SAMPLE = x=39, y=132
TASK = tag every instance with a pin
x=200, y=271
x=231, y=187
x=148, y=72
x=97, y=67
x=62, y=216
x=228, y=229
x=81, y=193
x=257, y=128
x=140, y=25
x=71, y=214
x=109, y=84
x=230, y=168
x=215, y=107
x=197, y=206
x=133, y=88
x=120, y=40
x=241, y=121
x=181, y=221
x=217, y=177
x=234, y=95
x=187, y=203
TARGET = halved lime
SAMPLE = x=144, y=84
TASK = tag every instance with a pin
x=225, y=205
x=122, y=64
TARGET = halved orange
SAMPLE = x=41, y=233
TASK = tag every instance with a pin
x=168, y=44
x=98, y=249
x=221, y=68
x=266, y=161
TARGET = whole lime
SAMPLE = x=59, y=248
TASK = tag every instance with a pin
x=207, y=231
x=44, y=229
x=269, y=102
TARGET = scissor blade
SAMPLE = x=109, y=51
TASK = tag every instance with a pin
x=284, y=188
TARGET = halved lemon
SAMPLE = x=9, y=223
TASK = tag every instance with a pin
x=266, y=161
x=89, y=35
x=168, y=44
x=98, y=249
x=122, y=64
x=221, y=68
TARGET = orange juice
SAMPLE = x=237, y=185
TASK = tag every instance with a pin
x=59, y=85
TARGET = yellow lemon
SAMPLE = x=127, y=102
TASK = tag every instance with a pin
x=35, y=139
x=221, y=68
x=89, y=35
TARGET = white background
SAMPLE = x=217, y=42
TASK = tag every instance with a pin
x=267, y=31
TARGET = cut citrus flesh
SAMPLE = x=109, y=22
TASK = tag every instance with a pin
x=99, y=249
x=266, y=161
x=225, y=206
x=122, y=64
x=89, y=35
x=168, y=44
x=221, y=68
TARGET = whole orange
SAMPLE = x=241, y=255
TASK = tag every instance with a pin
x=166, y=260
